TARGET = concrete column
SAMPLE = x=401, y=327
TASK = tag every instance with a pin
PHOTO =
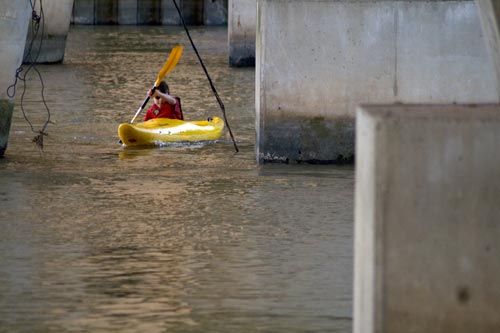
x=310, y=77
x=169, y=12
x=106, y=12
x=55, y=20
x=215, y=12
x=192, y=11
x=14, y=22
x=427, y=219
x=241, y=32
x=127, y=12
x=83, y=12
x=489, y=11
x=149, y=12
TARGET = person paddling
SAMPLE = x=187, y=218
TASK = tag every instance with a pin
x=165, y=105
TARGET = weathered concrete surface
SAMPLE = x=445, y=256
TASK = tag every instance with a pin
x=349, y=52
x=170, y=16
x=149, y=12
x=83, y=12
x=105, y=12
x=192, y=11
x=127, y=12
x=49, y=44
x=427, y=219
x=241, y=32
x=489, y=12
x=215, y=12
x=14, y=21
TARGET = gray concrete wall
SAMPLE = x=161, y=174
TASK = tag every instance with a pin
x=192, y=11
x=310, y=77
x=150, y=12
x=127, y=12
x=215, y=12
x=49, y=44
x=83, y=12
x=241, y=32
x=105, y=11
x=170, y=15
x=14, y=21
x=427, y=219
x=489, y=12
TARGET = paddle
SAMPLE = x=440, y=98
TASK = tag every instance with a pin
x=172, y=60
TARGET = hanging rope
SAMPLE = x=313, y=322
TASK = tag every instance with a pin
x=219, y=100
x=38, y=22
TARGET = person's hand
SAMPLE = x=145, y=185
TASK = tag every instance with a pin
x=150, y=93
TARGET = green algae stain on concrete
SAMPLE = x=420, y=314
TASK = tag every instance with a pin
x=327, y=141
x=6, y=109
x=316, y=140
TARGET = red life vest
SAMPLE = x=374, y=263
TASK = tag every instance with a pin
x=166, y=111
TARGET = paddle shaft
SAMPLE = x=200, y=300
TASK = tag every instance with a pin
x=143, y=105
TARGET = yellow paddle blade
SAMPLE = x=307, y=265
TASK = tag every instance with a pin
x=172, y=61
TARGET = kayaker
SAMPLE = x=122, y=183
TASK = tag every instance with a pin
x=165, y=105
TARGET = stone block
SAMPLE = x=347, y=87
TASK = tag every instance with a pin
x=427, y=219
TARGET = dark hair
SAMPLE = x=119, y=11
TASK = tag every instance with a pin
x=163, y=87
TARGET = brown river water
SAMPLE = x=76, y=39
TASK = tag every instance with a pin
x=96, y=237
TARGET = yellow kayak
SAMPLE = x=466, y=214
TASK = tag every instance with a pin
x=163, y=130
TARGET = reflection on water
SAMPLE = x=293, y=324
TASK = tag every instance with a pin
x=182, y=238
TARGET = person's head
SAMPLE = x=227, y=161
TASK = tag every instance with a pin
x=162, y=87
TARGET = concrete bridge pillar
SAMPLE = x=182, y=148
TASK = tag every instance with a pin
x=56, y=20
x=241, y=32
x=489, y=11
x=106, y=11
x=150, y=12
x=215, y=12
x=14, y=21
x=169, y=12
x=83, y=12
x=310, y=77
x=127, y=12
x=427, y=219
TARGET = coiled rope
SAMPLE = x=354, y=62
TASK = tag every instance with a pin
x=219, y=100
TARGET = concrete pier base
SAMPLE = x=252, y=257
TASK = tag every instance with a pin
x=241, y=32
x=427, y=219
x=14, y=21
x=56, y=20
x=351, y=52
